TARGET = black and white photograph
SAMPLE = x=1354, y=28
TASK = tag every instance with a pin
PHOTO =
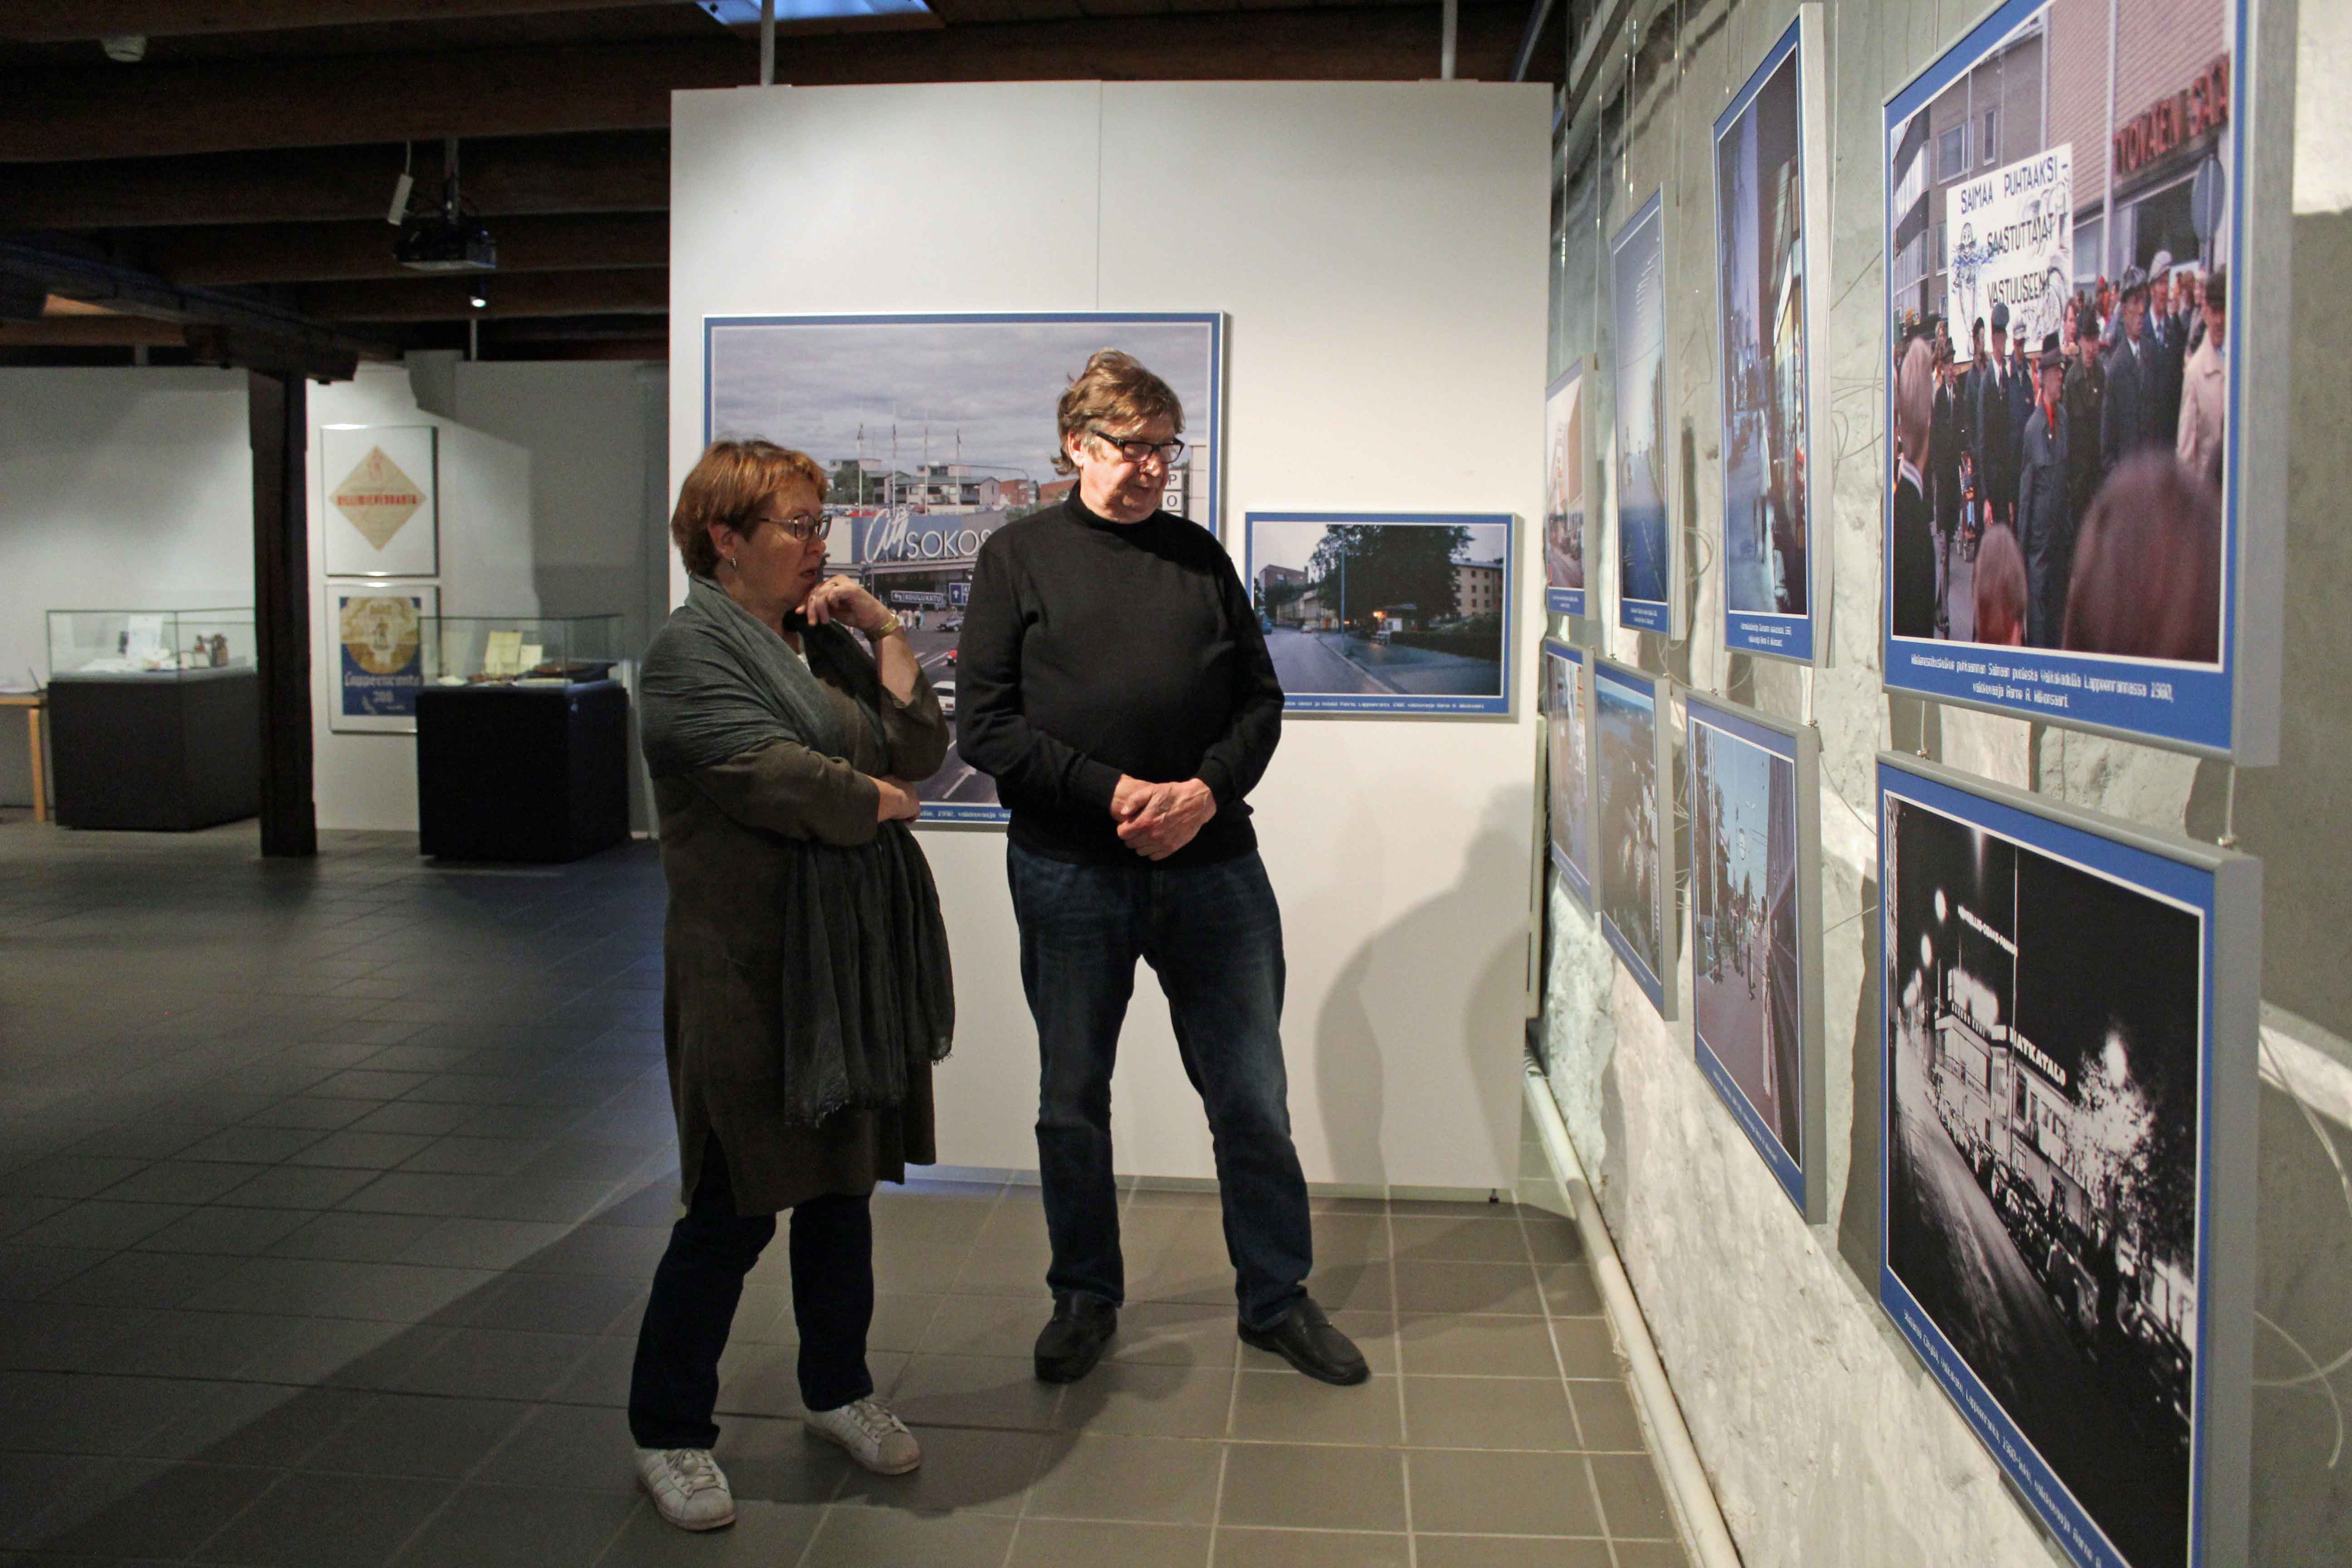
x=1567, y=732
x=1384, y=612
x=1633, y=838
x=2045, y=1043
x=939, y=430
x=1751, y=950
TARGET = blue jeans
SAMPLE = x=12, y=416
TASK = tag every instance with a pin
x=1212, y=934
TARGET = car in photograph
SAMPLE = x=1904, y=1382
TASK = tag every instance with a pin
x=945, y=691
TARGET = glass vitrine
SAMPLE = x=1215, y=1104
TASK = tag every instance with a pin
x=526, y=650
x=149, y=642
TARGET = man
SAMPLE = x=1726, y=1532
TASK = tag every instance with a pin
x=1995, y=431
x=2044, y=524
x=2085, y=396
x=2126, y=417
x=1116, y=685
x=2170, y=334
x=1944, y=477
x=2205, y=391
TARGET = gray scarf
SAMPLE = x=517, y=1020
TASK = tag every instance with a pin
x=866, y=985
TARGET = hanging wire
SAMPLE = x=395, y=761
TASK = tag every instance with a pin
x=2324, y=1376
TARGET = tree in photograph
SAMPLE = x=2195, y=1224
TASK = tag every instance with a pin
x=1361, y=568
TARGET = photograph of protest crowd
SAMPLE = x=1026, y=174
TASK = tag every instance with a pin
x=1567, y=739
x=1566, y=538
x=2044, y=1036
x=2061, y=222
x=1634, y=838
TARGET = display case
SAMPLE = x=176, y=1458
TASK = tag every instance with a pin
x=555, y=650
x=149, y=642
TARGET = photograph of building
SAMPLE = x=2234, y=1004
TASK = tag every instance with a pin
x=1374, y=614
x=1567, y=738
x=1565, y=514
x=938, y=431
x=1636, y=881
x=1747, y=983
x=2044, y=1033
x=1760, y=271
x=1644, y=543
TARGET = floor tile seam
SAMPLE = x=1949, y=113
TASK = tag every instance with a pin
x=1217, y=1503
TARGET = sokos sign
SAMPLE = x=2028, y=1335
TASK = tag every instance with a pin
x=901, y=534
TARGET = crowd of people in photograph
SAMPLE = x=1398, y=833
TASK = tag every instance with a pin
x=2078, y=478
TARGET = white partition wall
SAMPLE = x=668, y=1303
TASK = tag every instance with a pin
x=1380, y=251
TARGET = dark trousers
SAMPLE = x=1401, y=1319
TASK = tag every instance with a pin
x=1213, y=935
x=674, y=1386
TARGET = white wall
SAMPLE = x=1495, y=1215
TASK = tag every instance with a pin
x=1380, y=251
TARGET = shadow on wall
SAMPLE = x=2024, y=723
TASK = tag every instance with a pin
x=1356, y=1028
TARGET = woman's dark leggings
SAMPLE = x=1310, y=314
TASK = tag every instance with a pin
x=674, y=1386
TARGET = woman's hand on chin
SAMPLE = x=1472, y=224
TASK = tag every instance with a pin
x=845, y=600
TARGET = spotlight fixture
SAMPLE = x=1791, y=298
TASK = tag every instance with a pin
x=477, y=294
x=124, y=49
x=450, y=240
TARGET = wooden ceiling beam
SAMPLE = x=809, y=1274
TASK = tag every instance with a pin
x=93, y=332
x=600, y=173
x=630, y=292
x=231, y=105
x=63, y=21
x=336, y=252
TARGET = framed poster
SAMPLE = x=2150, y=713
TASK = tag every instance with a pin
x=1775, y=498
x=1649, y=547
x=382, y=487
x=384, y=634
x=1567, y=475
x=1756, y=932
x=2068, y=1126
x=939, y=430
x=2085, y=510
x=1633, y=840
x=1567, y=741
x=1370, y=613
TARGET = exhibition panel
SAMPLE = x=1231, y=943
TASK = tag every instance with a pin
x=382, y=654
x=1385, y=611
x=2084, y=507
x=154, y=718
x=1649, y=546
x=382, y=486
x=1634, y=769
x=1775, y=497
x=163, y=643
x=524, y=650
x=938, y=430
x=1567, y=738
x=2067, y=1104
x=522, y=769
x=1570, y=521
x=1756, y=932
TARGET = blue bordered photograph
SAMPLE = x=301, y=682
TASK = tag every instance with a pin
x=1755, y=930
x=2083, y=521
x=938, y=430
x=1568, y=763
x=1568, y=477
x=1649, y=554
x=1372, y=613
x=1634, y=839
x=2067, y=1104
x=1764, y=257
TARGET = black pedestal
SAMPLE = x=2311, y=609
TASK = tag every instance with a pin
x=522, y=772
x=162, y=750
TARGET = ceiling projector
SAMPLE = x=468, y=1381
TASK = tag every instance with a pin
x=446, y=239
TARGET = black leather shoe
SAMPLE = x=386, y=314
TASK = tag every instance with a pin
x=1068, y=1347
x=1306, y=1340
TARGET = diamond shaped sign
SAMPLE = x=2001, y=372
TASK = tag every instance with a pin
x=378, y=497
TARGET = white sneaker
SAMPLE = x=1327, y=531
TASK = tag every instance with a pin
x=687, y=1487
x=874, y=1437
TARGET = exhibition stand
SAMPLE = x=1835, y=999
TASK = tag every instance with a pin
x=154, y=718
x=514, y=772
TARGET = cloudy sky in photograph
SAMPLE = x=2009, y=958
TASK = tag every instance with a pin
x=1290, y=544
x=993, y=384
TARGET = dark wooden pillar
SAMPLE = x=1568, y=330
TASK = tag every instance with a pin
x=277, y=407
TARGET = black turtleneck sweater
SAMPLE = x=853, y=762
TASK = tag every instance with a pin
x=1093, y=649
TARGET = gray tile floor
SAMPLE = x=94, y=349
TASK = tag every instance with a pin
x=328, y=1194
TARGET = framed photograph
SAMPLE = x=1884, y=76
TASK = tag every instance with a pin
x=1633, y=838
x=2068, y=1126
x=1373, y=613
x=1567, y=741
x=383, y=655
x=1649, y=546
x=1775, y=583
x=1756, y=932
x=383, y=495
x=938, y=430
x=2083, y=492
x=1567, y=479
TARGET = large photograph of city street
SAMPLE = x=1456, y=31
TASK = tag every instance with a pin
x=1747, y=983
x=1760, y=270
x=1566, y=727
x=938, y=431
x=2062, y=216
x=1372, y=614
x=1636, y=883
x=1644, y=544
x=1565, y=514
x=2044, y=1030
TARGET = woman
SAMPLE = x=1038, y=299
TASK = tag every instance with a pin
x=1915, y=588
x=806, y=989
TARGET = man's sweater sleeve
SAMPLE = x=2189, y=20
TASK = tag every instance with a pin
x=1237, y=759
x=993, y=731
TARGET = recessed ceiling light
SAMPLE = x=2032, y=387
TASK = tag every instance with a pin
x=746, y=13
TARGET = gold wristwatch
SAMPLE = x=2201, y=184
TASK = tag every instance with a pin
x=891, y=625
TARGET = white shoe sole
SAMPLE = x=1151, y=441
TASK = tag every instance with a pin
x=692, y=1524
x=879, y=1469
